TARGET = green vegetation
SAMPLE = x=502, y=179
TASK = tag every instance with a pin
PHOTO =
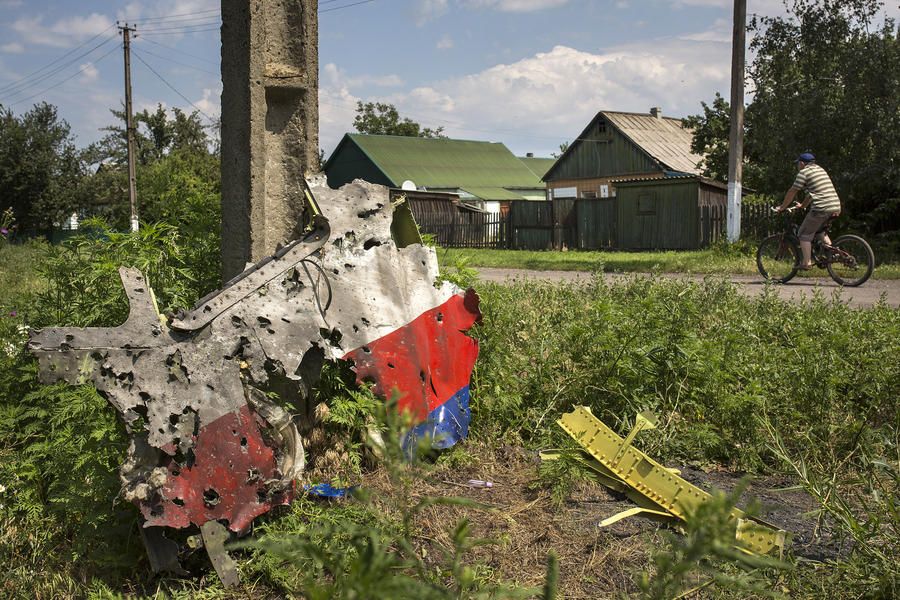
x=742, y=384
x=739, y=259
x=379, y=118
x=826, y=80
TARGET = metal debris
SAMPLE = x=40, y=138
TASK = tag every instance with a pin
x=208, y=444
x=658, y=491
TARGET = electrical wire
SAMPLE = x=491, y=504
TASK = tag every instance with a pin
x=47, y=66
x=15, y=89
x=172, y=60
x=171, y=87
x=155, y=33
x=155, y=43
x=73, y=75
x=205, y=23
x=328, y=10
x=177, y=16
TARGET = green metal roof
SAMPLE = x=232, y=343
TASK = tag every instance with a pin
x=492, y=193
x=538, y=166
x=444, y=163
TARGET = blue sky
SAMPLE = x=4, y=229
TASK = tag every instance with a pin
x=529, y=73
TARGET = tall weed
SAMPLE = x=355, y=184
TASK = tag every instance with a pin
x=706, y=359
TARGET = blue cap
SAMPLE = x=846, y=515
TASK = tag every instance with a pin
x=806, y=157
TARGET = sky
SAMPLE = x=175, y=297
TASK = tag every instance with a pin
x=528, y=73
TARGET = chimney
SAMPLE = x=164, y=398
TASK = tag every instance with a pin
x=529, y=155
x=656, y=112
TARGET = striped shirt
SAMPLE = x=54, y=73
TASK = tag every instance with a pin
x=815, y=181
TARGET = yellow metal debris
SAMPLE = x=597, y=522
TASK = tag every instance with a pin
x=668, y=494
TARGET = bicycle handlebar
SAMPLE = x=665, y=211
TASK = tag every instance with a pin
x=789, y=209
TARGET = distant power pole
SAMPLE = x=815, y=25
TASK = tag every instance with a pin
x=129, y=124
x=736, y=139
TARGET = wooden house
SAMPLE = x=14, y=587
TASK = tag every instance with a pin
x=631, y=181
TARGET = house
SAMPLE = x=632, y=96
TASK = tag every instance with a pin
x=631, y=181
x=483, y=174
x=538, y=166
x=617, y=145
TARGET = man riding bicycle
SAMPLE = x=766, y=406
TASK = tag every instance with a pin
x=820, y=192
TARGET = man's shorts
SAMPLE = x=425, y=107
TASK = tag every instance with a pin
x=812, y=223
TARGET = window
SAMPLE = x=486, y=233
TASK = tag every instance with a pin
x=604, y=191
x=646, y=203
x=588, y=194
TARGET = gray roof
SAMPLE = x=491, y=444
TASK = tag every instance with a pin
x=663, y=138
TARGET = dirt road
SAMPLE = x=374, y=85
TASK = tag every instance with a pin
x=865, y=296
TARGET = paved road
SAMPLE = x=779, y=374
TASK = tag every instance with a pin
x=864, y=296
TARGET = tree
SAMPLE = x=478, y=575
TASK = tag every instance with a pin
x=378, y=118
x=711, y=130
x=155, y=136
x=562, y=150
x=40, y=167
x=826, y=79
x=176, y=173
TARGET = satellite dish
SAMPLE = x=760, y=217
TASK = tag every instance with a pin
x=408, y=185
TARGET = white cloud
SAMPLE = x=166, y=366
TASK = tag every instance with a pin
x=337, y=78
x=337, y=108
x=537, y=102
x=721, y=32
x=445, y=43
x=62, y=33
x=429, y=10
x=210, y=103
x=515, y=5
x=89, y=73
x=136, y=10
x=12, y=48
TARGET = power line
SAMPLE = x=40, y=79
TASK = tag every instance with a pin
x=25, y=83
x=183, y=22
x=171, y=87
x=217, y=28
x=47, y=66
x=172, y=60
x=178, y=16
x=75, y=74
x=15, y=90
x=327, y=10
x=206, y=23
x=155, y=43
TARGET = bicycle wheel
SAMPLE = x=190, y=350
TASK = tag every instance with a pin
x=777, y=258
x=851, y=261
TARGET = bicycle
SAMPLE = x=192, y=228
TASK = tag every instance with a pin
x=849, y=259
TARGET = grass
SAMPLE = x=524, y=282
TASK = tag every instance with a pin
x=738, y=261
x=18, y=274
x=721, y=370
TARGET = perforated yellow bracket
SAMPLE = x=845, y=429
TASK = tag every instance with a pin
x=661, y=486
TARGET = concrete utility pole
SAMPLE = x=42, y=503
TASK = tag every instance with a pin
x=270, y=123
x=736, y=139
x=129, y=125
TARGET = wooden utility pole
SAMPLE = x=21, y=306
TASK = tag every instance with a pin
x=129, y=125
x=736, y=139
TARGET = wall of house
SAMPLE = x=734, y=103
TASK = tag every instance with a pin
x=593, y=187
x=658, y=215
x=352, y=163
x=604, y=152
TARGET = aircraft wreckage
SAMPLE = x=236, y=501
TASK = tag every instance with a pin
x=208, y=447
